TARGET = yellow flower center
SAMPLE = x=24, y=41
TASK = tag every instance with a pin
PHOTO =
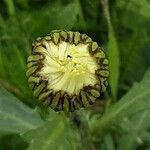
x=68, y=67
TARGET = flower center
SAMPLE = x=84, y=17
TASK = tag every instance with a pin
x=68, y=67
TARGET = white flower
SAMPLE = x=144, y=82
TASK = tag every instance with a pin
x=67, y=70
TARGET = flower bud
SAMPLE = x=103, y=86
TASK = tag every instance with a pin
x=67, y=70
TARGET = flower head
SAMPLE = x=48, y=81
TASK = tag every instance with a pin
x=67, y=70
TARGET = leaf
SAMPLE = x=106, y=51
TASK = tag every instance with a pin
x=15, y=117
x=133, y=43
x=108, y=140
x=135, y=100
x=88, y=14
x=54, y=134
x=54, y=16
x=136, y=6
x=132, y=59
x=12, y=142
x=135, y=125
x=114, y=62
x=14, y=49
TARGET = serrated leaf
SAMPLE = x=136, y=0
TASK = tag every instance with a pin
x=54, y=134
x=135, y=100
x=15, y=117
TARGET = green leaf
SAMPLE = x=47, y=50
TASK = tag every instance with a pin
x=54, y=16
x=108, y=140
x=88, y=14
x=54, y=134
x=114, y=62
x=134, y=126
x=12, y=142
x=133, y=43
x=15, y=117
x=135, y=100
x=14, y=49
x=137, y=6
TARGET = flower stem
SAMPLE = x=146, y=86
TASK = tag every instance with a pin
x=83, y=128
x=113, y=52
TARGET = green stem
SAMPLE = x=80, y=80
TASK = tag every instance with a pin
x=83, y=129
x=105, y=5
x=10, y=7
x=113, y=51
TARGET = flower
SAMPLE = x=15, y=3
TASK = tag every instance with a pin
x=67, y=70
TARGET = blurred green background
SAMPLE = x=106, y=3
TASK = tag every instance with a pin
x=122, y=29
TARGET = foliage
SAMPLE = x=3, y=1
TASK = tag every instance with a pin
x=15, y=113
x=120, y=27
